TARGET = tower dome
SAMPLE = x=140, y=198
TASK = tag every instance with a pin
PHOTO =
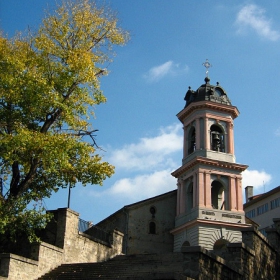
x=207, y=92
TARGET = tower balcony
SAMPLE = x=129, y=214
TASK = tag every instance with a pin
x=225, y=157
x=210, y=215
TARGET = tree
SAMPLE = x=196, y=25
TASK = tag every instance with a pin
x=49, y=83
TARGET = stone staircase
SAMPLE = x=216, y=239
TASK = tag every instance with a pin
x=146, y=266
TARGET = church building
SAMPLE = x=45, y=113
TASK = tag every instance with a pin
x=196, y=231
x=209, y=207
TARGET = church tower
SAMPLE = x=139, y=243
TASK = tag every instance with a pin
x=209, y=197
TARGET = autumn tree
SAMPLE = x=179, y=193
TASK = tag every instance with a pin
x=49, y=84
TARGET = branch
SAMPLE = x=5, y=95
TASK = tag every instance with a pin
x=52, y=117
x=14, y=186
x=82, y=133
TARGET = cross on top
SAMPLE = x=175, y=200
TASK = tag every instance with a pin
x=207, y=65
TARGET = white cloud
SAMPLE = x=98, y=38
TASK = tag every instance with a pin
x=152, y=160
x=254, y=17
x=255, y=178
x=150, y=152
x=143, y=186
x=168, y=68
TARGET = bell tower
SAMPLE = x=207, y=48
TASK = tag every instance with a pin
x=209, y=196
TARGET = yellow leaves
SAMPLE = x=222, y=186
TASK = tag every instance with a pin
x=64, y=156
x=48, y=84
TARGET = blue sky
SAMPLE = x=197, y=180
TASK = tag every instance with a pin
x=138, y=128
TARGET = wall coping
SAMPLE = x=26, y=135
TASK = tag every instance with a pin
x=47, y=245
x=272, y=230
x=18, y=258
x=64, y=209
x=243, y=246
x=260, y=235
x=82, y=234
x=118, y=233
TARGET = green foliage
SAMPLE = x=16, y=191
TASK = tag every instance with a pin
x=49, y=84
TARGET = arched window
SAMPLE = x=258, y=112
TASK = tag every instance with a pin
x=186, y=244
x=189, y=197
x=217, y=138
x=217, y=195
x=152, y=228
x=220, y=245
x=191, y=141
x=153, y=211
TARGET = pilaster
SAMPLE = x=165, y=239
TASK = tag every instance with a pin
x=201, y=187
x=206, y=135
x=197, y=131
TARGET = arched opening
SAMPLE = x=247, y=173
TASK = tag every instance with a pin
x=217, y=195
x=153, y=211
x=220, y=245
x=189, y=197
x=191, y=141
x=152, y=228
x=217, y=138
x=185, y=244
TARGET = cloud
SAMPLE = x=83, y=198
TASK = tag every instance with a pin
x=150, y=152
x=255, y=178
x=145, y=167
x=143, y=186
x=166, y=69
x=253, y=16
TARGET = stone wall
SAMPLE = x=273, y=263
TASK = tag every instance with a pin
x=79, y=247
x=199, y=263
x=140, y=239
x=253, y=258
x=15, y=267
x=68, y=246
x=266, y=259
x=134, y=220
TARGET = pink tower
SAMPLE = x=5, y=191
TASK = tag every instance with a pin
x=209, y=197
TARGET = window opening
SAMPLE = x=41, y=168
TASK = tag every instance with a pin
x=191, y=141
x=152, y=228
x=251, y=214
x=153, y=211
x=186, y=244
x=189, y=198
x=262, y=209
x=217, y=139
x=275, y=203
x=220, y=245
x=217, y=196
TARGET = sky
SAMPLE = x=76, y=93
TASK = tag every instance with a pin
x=169, y=40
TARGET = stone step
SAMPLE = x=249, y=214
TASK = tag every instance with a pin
x=145, y=266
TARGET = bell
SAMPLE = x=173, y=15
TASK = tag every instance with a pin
x=216, y=137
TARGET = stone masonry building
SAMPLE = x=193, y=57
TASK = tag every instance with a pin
x=198, y=231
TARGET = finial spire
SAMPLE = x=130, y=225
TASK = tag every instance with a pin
x=207, y=65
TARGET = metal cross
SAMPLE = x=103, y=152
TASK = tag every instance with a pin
x=207, y=65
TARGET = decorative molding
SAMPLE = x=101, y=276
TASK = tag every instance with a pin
x=232, y=110
x=209, y=162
